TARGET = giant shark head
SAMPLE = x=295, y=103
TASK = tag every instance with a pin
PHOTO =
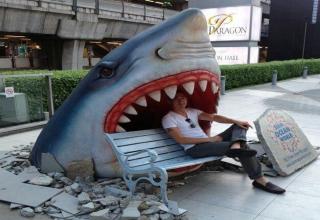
x=130, y=89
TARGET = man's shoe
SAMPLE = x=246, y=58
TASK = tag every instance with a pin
x=269, y=187
x=241, y=152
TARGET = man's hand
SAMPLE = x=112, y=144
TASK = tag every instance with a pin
x=215, y=139
x=243, y=124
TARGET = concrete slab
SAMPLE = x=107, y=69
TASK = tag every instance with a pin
x=28, y=174
x=66, y=202
x=26, y=194
x=8, y=177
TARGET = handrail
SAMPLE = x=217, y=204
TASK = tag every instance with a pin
x=98, y=7
x=25, y=75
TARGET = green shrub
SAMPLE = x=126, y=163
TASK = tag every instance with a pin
x=63, y=82
x=253, y=74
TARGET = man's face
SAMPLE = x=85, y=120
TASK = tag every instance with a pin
x=180, y=101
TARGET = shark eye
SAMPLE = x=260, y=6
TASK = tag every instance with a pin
x=106, y=73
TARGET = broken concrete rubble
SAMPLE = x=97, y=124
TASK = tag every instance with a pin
x=27, y=212
x=83, y=198
x=104, y=199
x=42, y=180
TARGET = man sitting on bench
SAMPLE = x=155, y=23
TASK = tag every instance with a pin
x=181, y=123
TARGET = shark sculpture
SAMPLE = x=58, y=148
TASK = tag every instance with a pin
x=130, y=89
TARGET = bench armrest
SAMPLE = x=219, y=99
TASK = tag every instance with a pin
x=151, y=153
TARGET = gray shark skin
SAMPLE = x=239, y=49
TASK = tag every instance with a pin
x=172, y=53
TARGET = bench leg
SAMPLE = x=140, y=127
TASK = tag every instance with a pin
x=131, y=184
x=163, y=175
x=156, y=176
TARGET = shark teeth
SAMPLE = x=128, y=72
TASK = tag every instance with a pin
x=171, y=91
x=131, y=110
x=189, y=87
x=156, y=95
x=214, y=88
x=203, y=85
x=142, y=101
x=124, y=119
x=120, y=129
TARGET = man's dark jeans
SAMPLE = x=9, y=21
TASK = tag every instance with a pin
x=230, y=136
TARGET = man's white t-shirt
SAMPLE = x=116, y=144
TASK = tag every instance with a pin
x=175, y=120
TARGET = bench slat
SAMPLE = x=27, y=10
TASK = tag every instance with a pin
x=162, y=157
x=181, y=162
x=130, y=134
x=149, y=145
x=141, y=139
x=159, y=150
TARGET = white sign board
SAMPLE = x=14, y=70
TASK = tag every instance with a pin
x=9, y=91
x=236, y=55
x=284, y=142
x=233, y=23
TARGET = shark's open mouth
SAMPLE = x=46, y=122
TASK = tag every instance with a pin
x=144, y=107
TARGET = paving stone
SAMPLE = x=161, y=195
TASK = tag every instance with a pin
x=29, y=195
x=28, y=174
x=125, y=202
x=66, y=181
x=42, y=180
x=153, y=203
x=27, y=212
x=84, y=198
x=98, y=189
x=151, y=210
x=52, y=210
x=154, y=217
x=109, y=200
x=100, y=215
x=130, y=213
x=87, y=207
x=166, y=216
x=284, y=142
x=76, y=187
x=117, y=211
x=38, y=209
x=66, y=203
x=143, y=206
x=23, y=155
x=15, y=206
x=116, y=192
x=58, y=175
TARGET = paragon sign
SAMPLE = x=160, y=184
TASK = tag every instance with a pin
x=234, y=23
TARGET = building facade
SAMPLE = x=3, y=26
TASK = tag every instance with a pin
x=72, y=34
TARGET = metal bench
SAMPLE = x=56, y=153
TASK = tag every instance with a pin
x=147, y=155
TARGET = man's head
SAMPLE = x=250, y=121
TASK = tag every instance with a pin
x=180, y=101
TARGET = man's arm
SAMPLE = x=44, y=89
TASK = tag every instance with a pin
x=222, y=119
x=176, y=134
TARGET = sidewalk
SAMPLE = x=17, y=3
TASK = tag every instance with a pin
x=229, y=195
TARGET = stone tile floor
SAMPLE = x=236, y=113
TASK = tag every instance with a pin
x=229, y=195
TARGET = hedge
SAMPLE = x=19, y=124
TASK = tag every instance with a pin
x=63, y=82
x=253, y=74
